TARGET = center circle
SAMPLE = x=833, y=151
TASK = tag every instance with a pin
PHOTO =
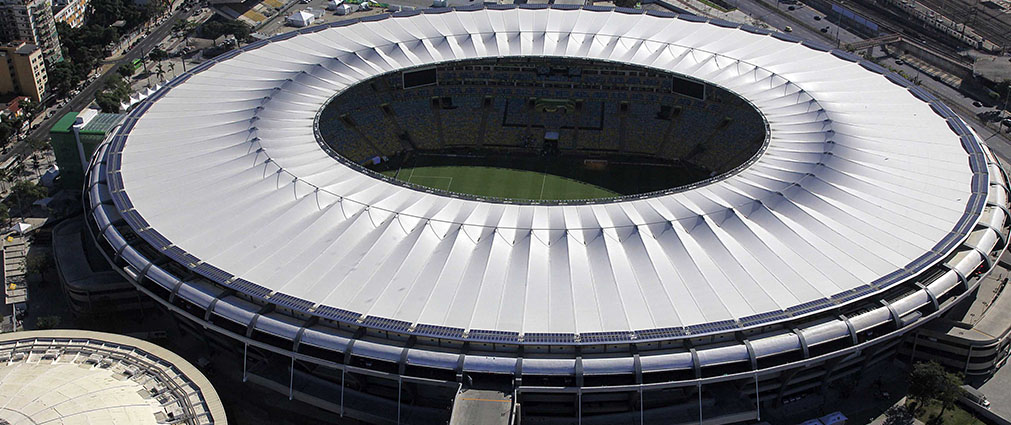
x=541, y=129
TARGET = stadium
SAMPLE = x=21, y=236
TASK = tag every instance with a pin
x=600, y=214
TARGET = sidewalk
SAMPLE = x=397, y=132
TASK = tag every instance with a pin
x=880, y=420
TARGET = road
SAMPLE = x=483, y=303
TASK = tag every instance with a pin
x=87, y=94
x=766, y=11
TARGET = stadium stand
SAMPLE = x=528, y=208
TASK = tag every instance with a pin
x=596, y=109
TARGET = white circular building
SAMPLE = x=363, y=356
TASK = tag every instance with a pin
x=81, y=377
x=864, y=208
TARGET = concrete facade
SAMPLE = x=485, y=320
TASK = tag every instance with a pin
x=31, y=21
x=72, y=12
x=23, y=70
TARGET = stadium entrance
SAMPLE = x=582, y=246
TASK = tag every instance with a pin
x=542, y=129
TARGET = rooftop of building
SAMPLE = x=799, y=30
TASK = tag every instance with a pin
x=993, y=68
x=73, y=376
x=91, y=121
x=21, y=47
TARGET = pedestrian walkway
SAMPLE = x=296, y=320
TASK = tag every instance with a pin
x=15, y=283
x=934, y=72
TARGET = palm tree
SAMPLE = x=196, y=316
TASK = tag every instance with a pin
x=172, y=67
x=35, y=163
x=160, y=71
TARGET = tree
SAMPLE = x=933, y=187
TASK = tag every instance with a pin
x=61, y=75
x=25, y=193
x=47, y=322
x=35, y=163
x=951, y=391
x=930, y=381
x=37, y=263
x=31, y=107
x=898, y=415
x=5, y=213
x=160, y=71
x=126, y=70
x=6, y=131
x=157, y=55
x=107, y=102
x=214, y=29
x=117, y=91
x=37, y=144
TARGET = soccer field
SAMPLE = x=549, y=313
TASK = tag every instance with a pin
x=500, y=183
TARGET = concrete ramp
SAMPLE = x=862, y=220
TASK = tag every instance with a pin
x=485, y=407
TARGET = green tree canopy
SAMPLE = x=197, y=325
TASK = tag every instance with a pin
x=5, y=213
x=898, y=415
x=215, y=28
x=126, y=70
x=158, y=54
x=930, y=381
x=61, y=75
x=26, y=192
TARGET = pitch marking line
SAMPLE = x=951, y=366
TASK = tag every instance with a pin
x=433, y=177
x=544, y=178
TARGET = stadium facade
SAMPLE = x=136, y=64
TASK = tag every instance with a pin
x=869, y=210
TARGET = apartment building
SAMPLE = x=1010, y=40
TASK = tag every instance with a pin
x=23, y=70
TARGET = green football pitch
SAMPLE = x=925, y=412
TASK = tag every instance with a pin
x=500, y=183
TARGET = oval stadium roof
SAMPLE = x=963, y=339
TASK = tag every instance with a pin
x=863, y=184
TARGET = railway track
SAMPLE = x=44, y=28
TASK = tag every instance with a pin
x=890, y=22
x=991, y=24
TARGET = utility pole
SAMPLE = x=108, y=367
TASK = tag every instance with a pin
x=838, y=24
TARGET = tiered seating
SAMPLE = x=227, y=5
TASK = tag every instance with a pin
x=372, y=123
x=496, y=133
x=724, y=148
x=462, y=124
x=345, y=141
x=714, y=134
x=415, y=116
x=609, y=134
x=644, y=130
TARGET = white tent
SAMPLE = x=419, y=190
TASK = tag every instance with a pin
x=316, y=13
x=49, y=178
x=344, y=9
x=300, y=19
x=21, y=228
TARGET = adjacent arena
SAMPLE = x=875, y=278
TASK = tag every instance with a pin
x=81, y=377
x=820, y=208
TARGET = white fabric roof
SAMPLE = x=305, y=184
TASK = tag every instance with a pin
x=300, y=18
x=860, y=178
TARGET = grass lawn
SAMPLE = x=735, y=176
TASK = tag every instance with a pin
x=955, y=415
x=501, y=183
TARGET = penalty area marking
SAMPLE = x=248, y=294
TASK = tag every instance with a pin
x=413, y=179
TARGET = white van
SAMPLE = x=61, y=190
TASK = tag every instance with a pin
x=973, y=395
